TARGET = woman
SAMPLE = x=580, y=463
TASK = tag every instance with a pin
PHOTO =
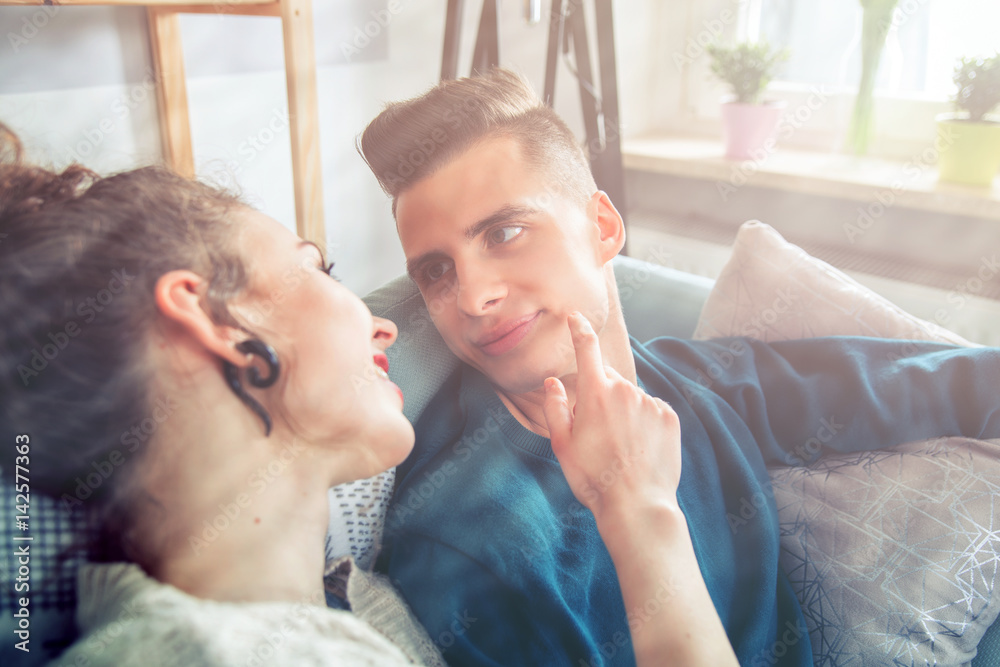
x=165, y=299
x=145, y=298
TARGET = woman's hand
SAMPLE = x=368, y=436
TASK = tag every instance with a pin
x=618, y=446
x=620, y=450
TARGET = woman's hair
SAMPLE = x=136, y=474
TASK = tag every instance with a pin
x=79, y=259
x=412, y=139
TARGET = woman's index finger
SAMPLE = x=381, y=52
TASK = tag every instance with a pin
x=589, y=363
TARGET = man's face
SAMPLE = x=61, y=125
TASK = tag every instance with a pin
x=502, y=258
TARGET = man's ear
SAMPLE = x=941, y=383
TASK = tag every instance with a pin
x=178, y=297
x=610, y=226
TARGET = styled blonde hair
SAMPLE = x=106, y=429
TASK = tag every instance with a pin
x=412, y=139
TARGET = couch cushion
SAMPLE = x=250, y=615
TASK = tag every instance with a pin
x=893, y=554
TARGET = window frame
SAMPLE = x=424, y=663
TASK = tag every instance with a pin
x=817, y=115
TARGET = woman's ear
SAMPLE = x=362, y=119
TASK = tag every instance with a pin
x=178, y=296
x=610, y=225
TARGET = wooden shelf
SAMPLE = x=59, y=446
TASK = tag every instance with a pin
x=864, y=179
x=300, y=77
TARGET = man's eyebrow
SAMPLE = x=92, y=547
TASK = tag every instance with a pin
x=503, y=214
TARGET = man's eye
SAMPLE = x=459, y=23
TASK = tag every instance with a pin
x=503, y=234
x=436, y=270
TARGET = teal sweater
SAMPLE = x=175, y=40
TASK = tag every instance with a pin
x=503, y=566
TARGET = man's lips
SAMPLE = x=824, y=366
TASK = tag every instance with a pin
x=507, y=335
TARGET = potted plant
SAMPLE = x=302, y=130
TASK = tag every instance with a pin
x=748, y=122
x=969, y=139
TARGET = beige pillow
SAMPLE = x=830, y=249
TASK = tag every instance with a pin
x=773, y=290
x=894, y=554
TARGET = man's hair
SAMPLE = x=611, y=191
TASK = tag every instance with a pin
x=410, y=140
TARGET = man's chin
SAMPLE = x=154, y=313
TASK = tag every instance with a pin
x=520, y=388
x=516, y=379
x=520, y=371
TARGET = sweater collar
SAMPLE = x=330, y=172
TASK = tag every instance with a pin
x=482, y=404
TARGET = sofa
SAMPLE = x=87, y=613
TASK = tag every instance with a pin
x=893, y=553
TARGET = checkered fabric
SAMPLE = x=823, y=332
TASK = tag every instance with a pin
x=54, y=529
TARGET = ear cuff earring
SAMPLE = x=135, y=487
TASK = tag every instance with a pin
x=260, y=349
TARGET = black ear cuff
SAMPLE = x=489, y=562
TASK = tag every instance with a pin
x=260, y=349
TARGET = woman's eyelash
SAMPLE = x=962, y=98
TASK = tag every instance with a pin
x=327, y=268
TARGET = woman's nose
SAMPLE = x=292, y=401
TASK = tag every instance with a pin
x=384, y=332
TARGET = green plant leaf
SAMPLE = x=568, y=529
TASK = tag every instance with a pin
x=747, y=67
x=978, y=82
x=875, y=26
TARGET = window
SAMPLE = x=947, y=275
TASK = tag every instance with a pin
x=914, y=84
x=925, y=40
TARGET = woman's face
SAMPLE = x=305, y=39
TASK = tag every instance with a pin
x=333, y=388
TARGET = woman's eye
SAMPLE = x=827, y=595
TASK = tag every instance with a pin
x=436, y=270
x=503, y=234
x=328, y=270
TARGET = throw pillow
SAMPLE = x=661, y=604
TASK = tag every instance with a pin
x=893, y=554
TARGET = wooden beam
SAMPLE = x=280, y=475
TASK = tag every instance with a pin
x=148, y=3
x=556, y=21
x=235, y=7
x=612, y=173
x=452, y=35
x=171, y=90
x=300, y=76
x=486, y=53
x=270, y=8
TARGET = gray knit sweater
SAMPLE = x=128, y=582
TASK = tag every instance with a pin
x=127, y=618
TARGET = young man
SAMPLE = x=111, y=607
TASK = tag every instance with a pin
x=506, y=236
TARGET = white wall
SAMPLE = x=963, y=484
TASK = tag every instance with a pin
x=75, y=83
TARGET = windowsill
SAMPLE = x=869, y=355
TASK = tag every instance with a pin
x=863, y=179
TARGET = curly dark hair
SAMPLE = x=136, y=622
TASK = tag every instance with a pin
x=80, y=255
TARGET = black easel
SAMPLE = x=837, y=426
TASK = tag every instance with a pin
x=567, y=29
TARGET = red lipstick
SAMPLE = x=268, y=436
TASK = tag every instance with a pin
x=382, y=362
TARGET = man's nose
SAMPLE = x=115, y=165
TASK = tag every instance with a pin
x=479, y=289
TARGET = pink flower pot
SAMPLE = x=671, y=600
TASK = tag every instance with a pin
x=748, y=130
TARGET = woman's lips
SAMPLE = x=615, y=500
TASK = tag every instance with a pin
x=382, y=364
x=507, y=336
